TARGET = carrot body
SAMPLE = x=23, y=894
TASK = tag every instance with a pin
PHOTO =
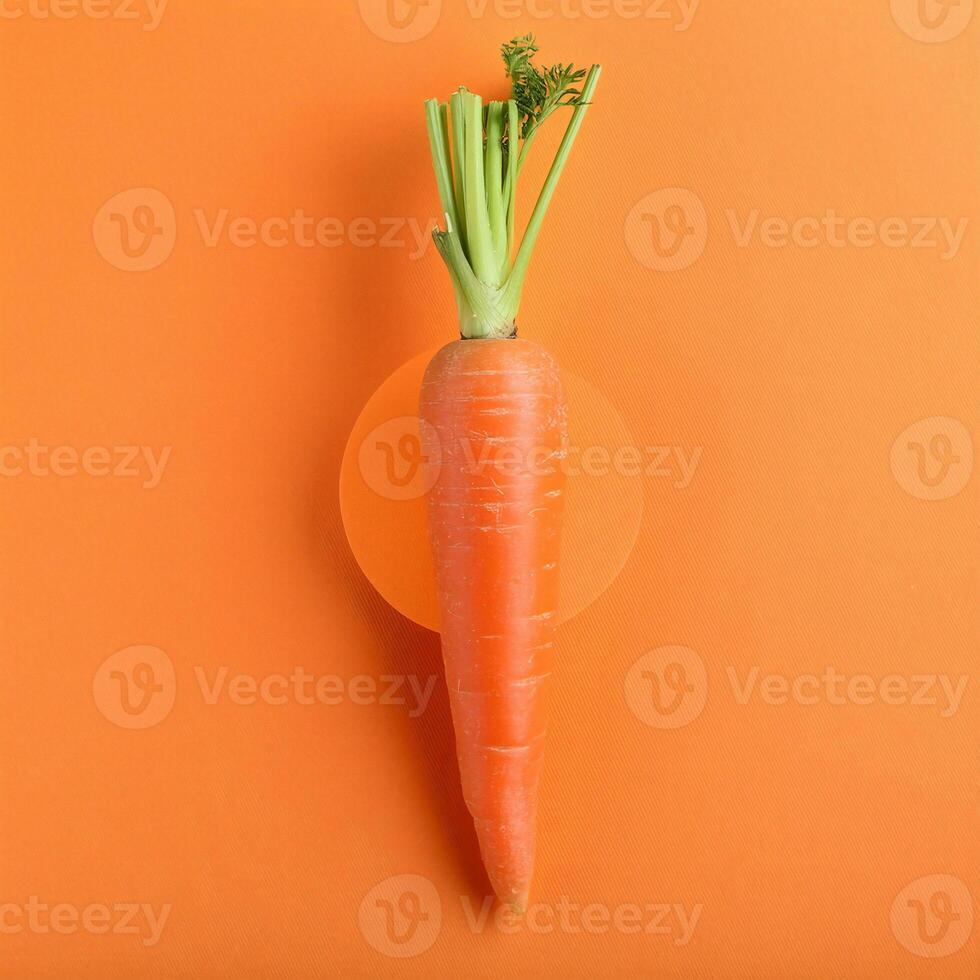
x=496, y=430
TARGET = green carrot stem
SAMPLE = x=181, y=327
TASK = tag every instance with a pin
x=515, y=281
x=513, y=154
x=458, y=156
x=494, y=166
x=478, y=236
x=477, y=155
x=439, y=147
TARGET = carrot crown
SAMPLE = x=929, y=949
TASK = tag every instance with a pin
x=478, y=151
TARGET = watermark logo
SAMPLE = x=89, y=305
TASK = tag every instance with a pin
x=933, y=458
x=400, y=21
x=300, y=687
x=932, y=21
x=667, y=687
x=673, y=920
x=678, y=13
x=667, y=230
x=148, y=13
x=393, y=462
x=397, y=463
x=135, y=687
x=939, y=233
x=121, y=462
x=67, y=919
x=943, y=692
x=302, y=230
x=135, y=230
x=933, y=916
x=401, y=916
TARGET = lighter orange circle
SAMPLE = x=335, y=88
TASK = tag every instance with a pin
x=383, y=497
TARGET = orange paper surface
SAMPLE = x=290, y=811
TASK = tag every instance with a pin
x=224, y=754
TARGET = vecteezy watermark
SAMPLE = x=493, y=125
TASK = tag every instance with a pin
x=667, y=230
x=148, y=13
x=135, y=687
x=932, y=459
x=411, y=20
x=99, y=919
x=401, y=916
x=394, y=465
x=120, y=462
x=303, y=688
x=933, y=916
x=400, y=21
x=392, y=461
x=932, y=21
x=670, y=919
x=678, y=13
x=834, y=230
x=135, y=230
x=306, y=231
x=836, y=688
x=667, y=687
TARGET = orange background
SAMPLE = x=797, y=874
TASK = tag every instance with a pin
x=793, y=548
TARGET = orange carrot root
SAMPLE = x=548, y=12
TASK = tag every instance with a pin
x=497, y=433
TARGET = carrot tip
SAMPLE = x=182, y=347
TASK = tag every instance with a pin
x=518, y=904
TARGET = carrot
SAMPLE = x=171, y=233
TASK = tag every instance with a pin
x=495, y=438
x=495, y=534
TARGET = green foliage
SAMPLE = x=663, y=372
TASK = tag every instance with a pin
x=538, y=91
x=478, y=151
